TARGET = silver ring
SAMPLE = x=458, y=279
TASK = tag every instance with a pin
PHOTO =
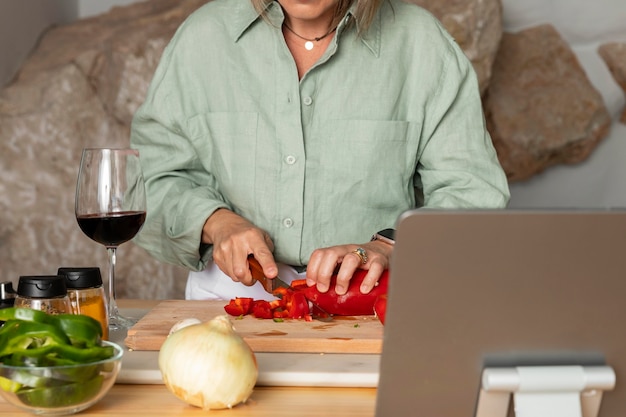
x=360, y=252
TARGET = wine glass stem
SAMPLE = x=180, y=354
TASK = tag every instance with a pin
x=113, y=313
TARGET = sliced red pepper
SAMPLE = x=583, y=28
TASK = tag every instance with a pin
x=279, y=313
x=262, y=309
x=239, y=306
x=294, y=301
x=297, y=284
x=353, y=302
x=380, y=307
x=280, y=292
x=297, y=305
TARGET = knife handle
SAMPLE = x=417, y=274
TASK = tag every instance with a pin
x=258, y=275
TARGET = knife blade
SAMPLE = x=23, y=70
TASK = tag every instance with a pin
x=271, y=284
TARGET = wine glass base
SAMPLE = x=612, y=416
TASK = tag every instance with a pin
x=121, y=323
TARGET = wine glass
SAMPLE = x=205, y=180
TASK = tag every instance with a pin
x=110, y=207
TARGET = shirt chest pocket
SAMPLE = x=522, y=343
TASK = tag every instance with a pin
x=371, y=161
x=372, y=156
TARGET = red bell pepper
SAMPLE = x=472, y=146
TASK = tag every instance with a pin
x=380, y=307
x=262, y=309
x=294, y=302
x=298, y=284
x=239, y=306
x=297, y=305
x=353, y=302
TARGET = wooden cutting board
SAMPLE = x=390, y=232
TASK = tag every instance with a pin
x=361, y=334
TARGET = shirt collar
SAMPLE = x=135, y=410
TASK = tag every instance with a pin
x=245, y=15
x=371, y=38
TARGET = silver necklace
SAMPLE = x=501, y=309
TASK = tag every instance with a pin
x=308, y=45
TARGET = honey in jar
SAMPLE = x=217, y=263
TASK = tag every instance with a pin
x=86, y=294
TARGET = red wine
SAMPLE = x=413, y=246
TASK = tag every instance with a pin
x=112, y=229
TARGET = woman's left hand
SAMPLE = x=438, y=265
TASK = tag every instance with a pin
x=344, y=260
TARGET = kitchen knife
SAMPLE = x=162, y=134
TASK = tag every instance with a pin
x=257, y=273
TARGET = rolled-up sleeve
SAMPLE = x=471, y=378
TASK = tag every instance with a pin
x=181, y=193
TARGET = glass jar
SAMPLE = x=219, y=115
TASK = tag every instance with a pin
x=7, y=294
x=47, y=293
x=86, y=294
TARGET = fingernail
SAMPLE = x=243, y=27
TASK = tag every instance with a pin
x=340, y=289
x=365, y=288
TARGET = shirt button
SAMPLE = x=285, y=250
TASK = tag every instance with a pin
x=288, y=222
x=290, y=160
x=308, y=101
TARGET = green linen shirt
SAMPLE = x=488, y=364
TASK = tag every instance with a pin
x=325, y=160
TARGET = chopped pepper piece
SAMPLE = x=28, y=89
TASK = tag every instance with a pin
x=297, y=284
x=296, y=305
x=262, y=309
x=82, y=330
x=239, y=306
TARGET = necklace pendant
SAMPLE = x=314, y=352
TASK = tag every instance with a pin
x=308, y=45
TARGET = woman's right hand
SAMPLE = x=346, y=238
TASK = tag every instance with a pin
x=234, y=238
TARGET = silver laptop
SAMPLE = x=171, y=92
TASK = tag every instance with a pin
x=476, y=289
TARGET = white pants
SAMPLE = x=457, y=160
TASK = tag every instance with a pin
x=213, y=284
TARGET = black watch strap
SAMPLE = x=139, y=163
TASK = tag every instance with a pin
x=387, y=235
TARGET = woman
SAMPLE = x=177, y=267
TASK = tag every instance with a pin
x=294, y=130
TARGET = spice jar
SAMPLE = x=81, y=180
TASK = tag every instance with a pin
x=86, y=294
x=47, y=293
x=7, y=294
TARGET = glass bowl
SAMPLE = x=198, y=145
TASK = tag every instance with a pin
x=59, y=390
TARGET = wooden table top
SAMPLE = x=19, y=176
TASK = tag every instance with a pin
x=156, y=400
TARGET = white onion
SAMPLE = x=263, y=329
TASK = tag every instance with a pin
x=184, y=323
x=208, y=365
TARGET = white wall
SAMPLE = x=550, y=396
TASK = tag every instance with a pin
x=23, y=21
x=21, y=24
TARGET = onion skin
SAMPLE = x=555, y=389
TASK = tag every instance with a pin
x=208, y=365
x=184, y=323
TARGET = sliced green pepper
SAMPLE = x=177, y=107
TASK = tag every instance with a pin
x=53, y=354
x=27, y=314
x=31, y=338
x=82, y=330
x=34, y=338
x=20, y=336
x=63, y=395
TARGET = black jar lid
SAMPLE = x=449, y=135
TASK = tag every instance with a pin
x=77, y=278
x=41, y=286
x=6, y=290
